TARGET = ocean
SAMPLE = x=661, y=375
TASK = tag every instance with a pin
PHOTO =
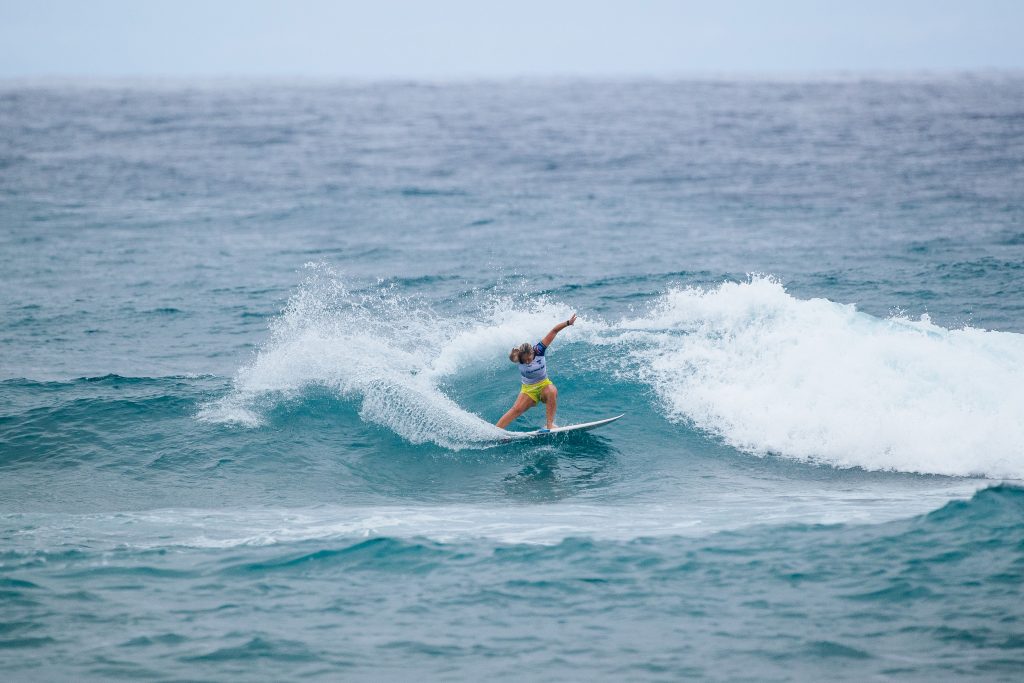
x=254, y=336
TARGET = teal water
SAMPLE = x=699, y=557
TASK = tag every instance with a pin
x=253, y=338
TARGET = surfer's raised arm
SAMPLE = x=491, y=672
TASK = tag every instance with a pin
x=546, y=341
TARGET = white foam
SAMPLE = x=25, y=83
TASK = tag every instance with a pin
x=819, y=381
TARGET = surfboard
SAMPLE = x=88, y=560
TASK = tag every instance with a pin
x=582, y=427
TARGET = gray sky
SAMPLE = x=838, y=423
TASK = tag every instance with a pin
x=439, y=39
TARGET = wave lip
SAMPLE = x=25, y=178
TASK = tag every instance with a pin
x=817, y=381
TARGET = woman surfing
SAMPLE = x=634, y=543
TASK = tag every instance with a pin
x=533, y=371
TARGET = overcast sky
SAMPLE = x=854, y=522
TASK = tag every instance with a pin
x=438, y=39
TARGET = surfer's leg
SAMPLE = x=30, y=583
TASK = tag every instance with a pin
x=550, y=397
x=522, y=404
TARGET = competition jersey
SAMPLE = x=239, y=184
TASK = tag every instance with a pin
x=534, y=372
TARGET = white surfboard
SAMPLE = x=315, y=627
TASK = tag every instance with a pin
x=585, y=426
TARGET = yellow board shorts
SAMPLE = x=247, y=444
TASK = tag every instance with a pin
x=533, y=390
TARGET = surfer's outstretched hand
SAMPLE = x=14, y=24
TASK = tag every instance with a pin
x=550, y=336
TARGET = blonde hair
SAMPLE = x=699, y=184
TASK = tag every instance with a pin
x=518, y=352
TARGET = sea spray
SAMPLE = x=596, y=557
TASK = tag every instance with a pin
x=389, y=352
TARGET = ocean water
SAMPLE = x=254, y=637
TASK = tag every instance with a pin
x=254, y=337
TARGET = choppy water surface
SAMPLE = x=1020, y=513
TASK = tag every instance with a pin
x=253, y=339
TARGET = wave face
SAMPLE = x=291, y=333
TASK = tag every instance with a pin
x=767, y=373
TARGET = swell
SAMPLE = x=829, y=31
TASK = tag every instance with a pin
x=992, y=519
x=69, y=422
x=815, y=597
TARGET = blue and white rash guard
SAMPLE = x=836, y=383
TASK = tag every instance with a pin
x=534, y=372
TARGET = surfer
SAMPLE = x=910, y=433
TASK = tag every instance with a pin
x=533, y=371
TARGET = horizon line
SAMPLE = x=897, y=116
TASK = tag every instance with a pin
x=828, y=75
